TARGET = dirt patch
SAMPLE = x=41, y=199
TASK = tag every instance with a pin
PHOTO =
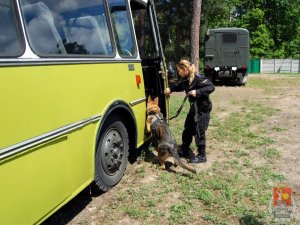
x=283, y=127
x=288, y=141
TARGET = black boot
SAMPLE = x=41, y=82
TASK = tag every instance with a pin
x=183, y=151
x=200, y=157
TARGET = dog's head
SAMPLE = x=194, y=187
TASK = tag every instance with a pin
x=152, y=110
x=152, y=106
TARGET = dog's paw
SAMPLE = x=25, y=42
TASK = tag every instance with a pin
x=162, y=167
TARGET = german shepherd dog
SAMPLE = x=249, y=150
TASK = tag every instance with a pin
x=166, y=145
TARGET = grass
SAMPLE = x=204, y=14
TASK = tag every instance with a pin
x=235, y=190
x=270, y=85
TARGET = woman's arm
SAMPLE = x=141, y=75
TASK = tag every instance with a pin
x=206, y=87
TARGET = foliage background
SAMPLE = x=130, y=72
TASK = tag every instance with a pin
x=274, y=25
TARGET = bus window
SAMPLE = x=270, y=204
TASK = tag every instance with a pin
x=67, y=27
x=122, y=28
x=9, y=42
x=144, y=33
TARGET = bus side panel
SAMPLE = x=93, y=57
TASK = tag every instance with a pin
x=37, y=181
x=39, y=99
x=34, y=182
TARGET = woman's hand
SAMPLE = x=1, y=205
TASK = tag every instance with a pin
x=167, y=91
x=192, y=93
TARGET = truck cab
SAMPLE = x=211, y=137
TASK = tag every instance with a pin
x=227, y=54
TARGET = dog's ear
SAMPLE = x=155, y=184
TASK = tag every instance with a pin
x=156, y=100
x=149, y=99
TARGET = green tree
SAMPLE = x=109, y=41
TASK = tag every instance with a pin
x=283, y=20
x=175, y=18
x=293, y=47
x=274, y=25
x=261, y=43
x=260, y=38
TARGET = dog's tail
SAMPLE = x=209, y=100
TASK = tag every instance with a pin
x=178, y=161
x=183, y=164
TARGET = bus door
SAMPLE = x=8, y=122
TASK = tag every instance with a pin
x=151, y=53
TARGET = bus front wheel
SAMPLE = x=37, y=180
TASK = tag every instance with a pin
x=112, y=154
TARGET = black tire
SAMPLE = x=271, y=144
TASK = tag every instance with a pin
x=111, y=157
x=243, y=79
x=209, y=75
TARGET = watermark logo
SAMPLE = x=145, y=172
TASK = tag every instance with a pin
x=282, y=205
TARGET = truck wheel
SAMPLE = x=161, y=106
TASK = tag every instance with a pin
x=243, y=79
x=111, y=155
x=209, y=75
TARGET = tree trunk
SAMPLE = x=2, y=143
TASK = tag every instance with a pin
x=195, y=33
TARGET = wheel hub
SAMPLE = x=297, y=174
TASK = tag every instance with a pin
x=112, y=152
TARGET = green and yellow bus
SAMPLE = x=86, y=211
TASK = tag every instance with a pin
x=74, y=77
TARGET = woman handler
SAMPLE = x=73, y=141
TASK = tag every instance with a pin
x=198, y=88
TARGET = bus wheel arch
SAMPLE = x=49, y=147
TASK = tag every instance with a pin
x=116, y=137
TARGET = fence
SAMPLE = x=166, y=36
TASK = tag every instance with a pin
x=280, y=66
x=274, y=66
x=254, y=66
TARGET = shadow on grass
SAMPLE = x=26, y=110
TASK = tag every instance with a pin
x=227, y=83
x=145, y=153
x=65, y=214
x=69, y=211
x=250, y=220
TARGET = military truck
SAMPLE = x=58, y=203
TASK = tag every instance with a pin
x=227, y=54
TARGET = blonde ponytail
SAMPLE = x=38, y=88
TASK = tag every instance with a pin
x=190, y=67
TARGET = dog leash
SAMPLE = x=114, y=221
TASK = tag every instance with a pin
x=180, y=108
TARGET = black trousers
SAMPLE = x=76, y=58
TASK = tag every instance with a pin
x=190, y=130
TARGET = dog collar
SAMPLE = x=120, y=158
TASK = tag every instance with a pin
x=155, y=120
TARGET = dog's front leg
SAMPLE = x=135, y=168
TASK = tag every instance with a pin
x=162, y=158
x=162, y=165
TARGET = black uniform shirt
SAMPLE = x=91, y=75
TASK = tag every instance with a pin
x=203, y=87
